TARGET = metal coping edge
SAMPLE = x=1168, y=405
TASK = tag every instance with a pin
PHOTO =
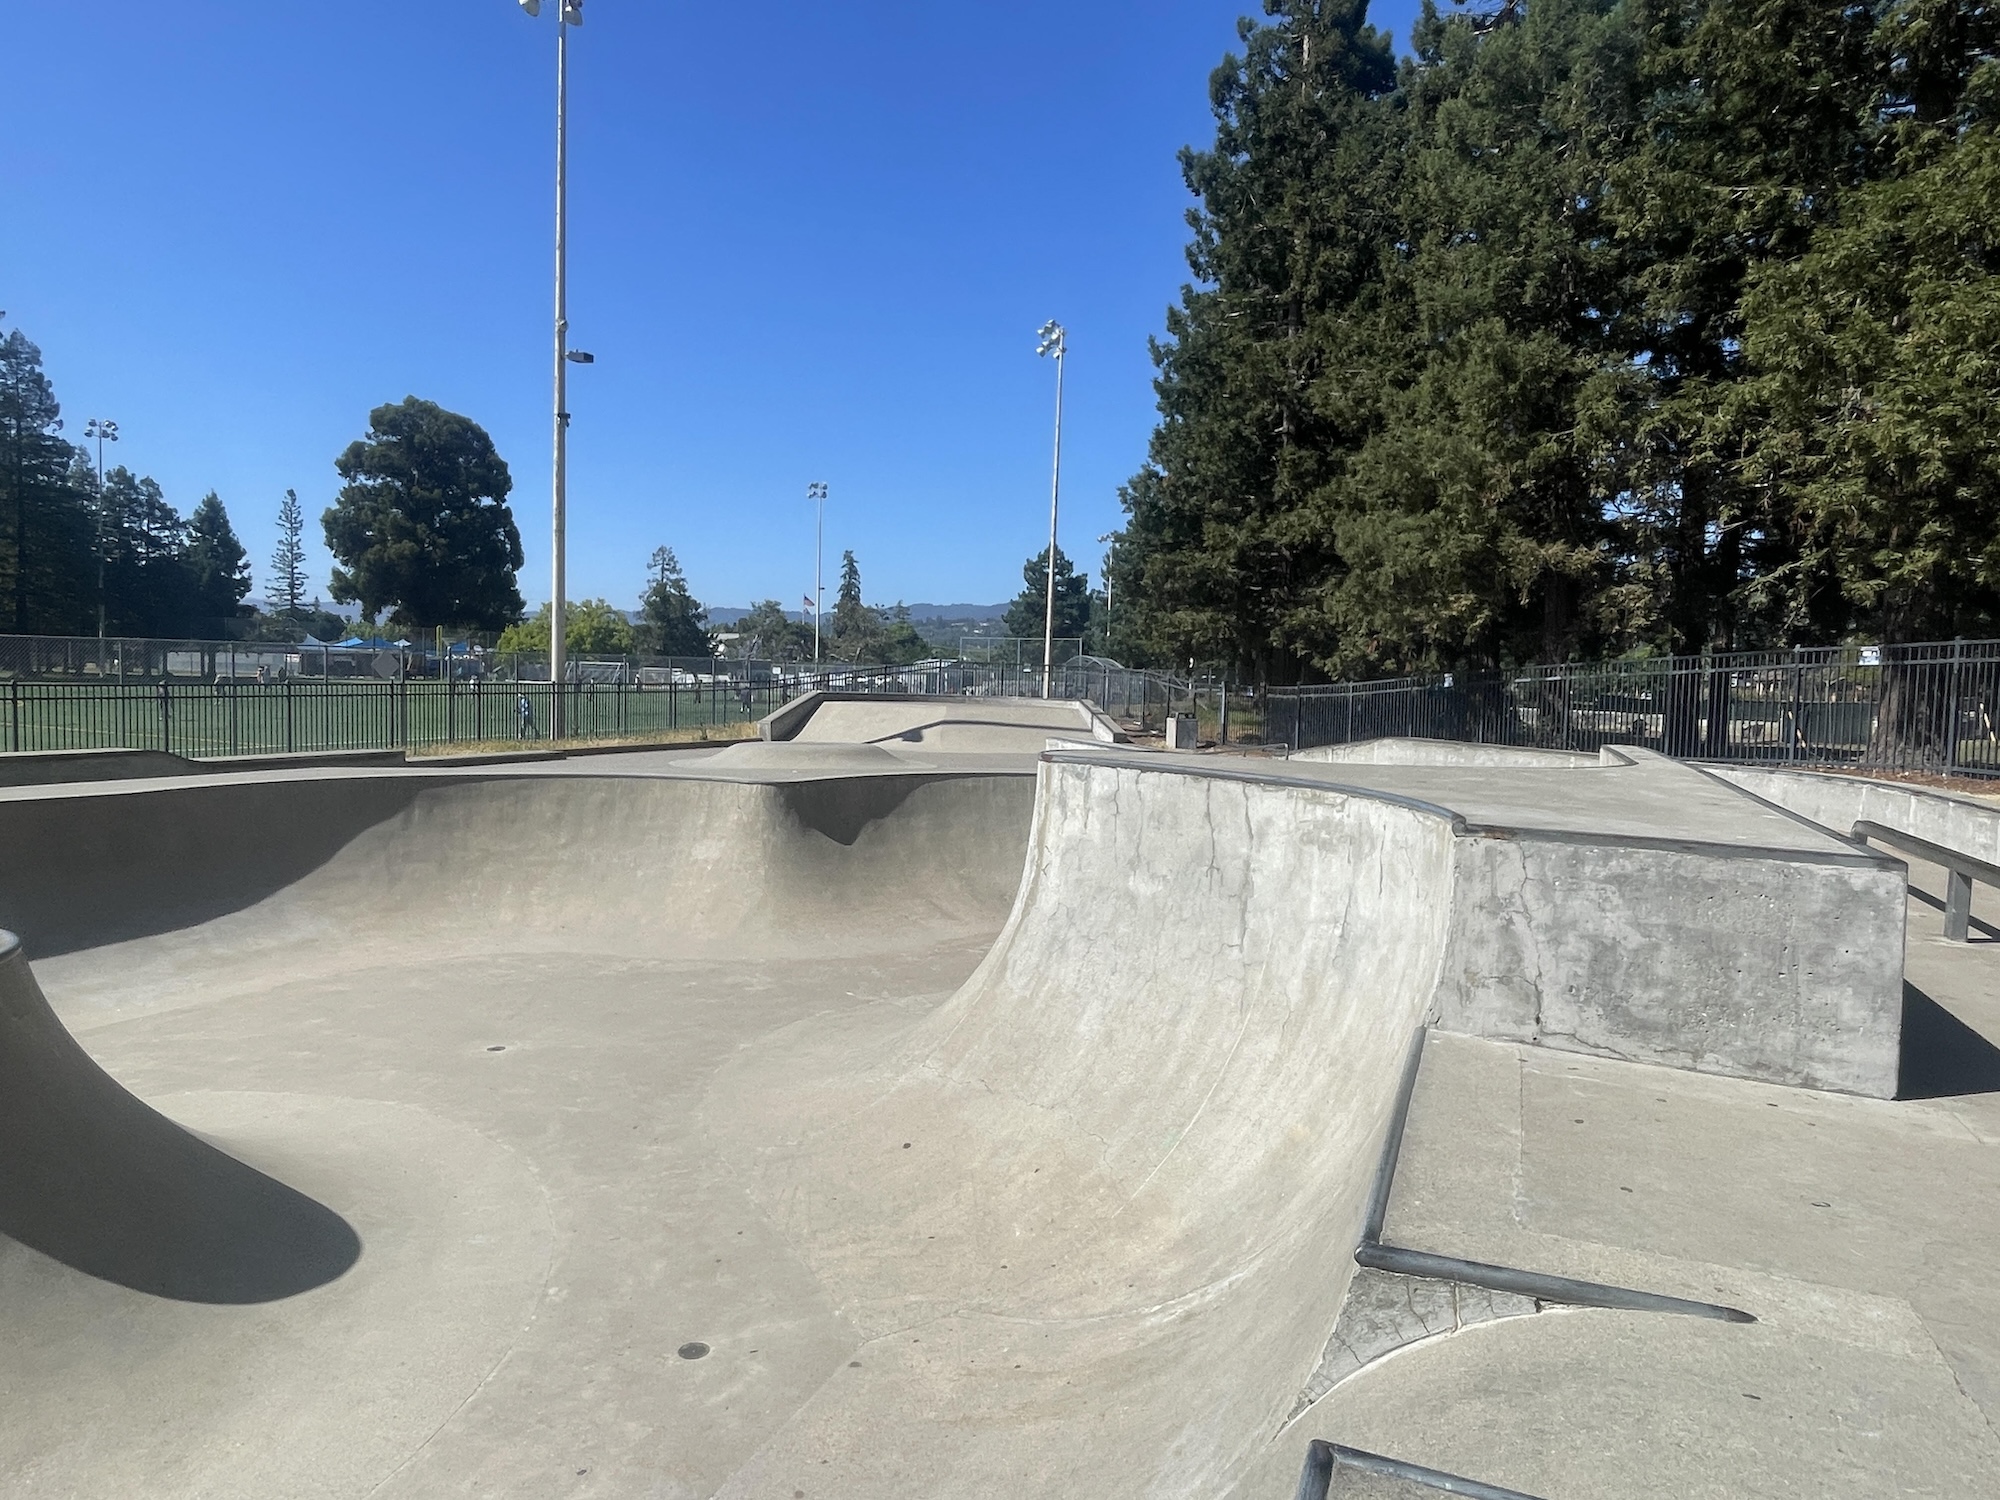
x=1392, y=1143
x=1316, y=1482
x=1543, y=1286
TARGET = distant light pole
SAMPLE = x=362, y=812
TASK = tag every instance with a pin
x=105, y=431
x=1055, y=340
x=569, y=13
x=816, y=492
x=1109, y=541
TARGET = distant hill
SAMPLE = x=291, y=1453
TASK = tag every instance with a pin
x=723, y=614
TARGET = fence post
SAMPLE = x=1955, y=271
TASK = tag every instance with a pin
x=1798, y=689
x=1951, y=724
x=15, y=694
x=288, y=716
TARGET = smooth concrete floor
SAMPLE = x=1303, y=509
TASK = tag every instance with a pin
x=1865, y=1236
x=543, y=1228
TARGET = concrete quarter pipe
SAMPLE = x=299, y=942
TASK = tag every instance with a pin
x=747, y=1125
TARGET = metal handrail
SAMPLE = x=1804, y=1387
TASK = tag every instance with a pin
x=1960, y=871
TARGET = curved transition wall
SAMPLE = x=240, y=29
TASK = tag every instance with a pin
x=1088, y=1222
x=132, y=891
x=1096, y=1214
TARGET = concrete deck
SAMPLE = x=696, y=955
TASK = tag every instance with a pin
x=838, y=1119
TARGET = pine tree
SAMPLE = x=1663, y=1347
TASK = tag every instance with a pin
x=219, y=566
x=288, y=563
x=850, y=615
x=1027, y=616
x=672, y=623
x=45, y=523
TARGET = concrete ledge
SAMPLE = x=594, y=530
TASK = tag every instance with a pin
x=1781, y=965
x=1837, y=803
x=49, y=767
x=300, y=760
x=1396, y=750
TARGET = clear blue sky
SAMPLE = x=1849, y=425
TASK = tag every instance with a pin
x=809, y=241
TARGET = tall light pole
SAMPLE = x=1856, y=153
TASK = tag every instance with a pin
x=816, y=492
x=105, y=431
x=1109, y=541
x=569, y=13
x=1055, y=340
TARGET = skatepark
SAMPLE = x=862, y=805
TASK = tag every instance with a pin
x=938, y=1096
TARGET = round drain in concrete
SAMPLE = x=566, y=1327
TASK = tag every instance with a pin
x=694, y=1350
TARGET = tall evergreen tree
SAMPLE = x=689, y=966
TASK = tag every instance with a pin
x=149, y=581
x=1027, y=616
x=422, y=525
x=45, y=525
x=850, y=615
x=672, y=622
x=287, y=590
x=1296, y=196
x=216, y=561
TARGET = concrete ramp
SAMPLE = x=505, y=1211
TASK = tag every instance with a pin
x=954, y=725
x=1093, y=1218
x=99, y=1181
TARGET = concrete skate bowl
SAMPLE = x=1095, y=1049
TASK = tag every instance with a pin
x=712, y=1138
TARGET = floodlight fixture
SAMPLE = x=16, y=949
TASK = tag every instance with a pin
x=578, y=357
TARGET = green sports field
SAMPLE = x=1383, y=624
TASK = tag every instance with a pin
x=207, y=719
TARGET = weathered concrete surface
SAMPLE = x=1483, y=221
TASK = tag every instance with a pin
x=1392, y=750
x=51, y=767
x=1780, y=967
x=1642, y=910
x=1857, y=1231
x=599, y=1064
x=1171, y=1192
x=47, y=767
x=1385, y=1313
x=1837, y=803
x=597, y=1067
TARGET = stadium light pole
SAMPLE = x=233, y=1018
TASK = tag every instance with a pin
x=568, y=13
x=816, y=492
x=1055, y=340
x=1109, y=541
x=105, y=431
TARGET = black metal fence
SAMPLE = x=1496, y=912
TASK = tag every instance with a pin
x=248, y=714
x=293, y=715
x=1933, y=706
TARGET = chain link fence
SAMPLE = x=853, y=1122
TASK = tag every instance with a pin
x=1931, y=706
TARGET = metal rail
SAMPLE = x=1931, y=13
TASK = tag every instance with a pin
x=1322, y=1458
x=1960, y=871
x=1540, y=1285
